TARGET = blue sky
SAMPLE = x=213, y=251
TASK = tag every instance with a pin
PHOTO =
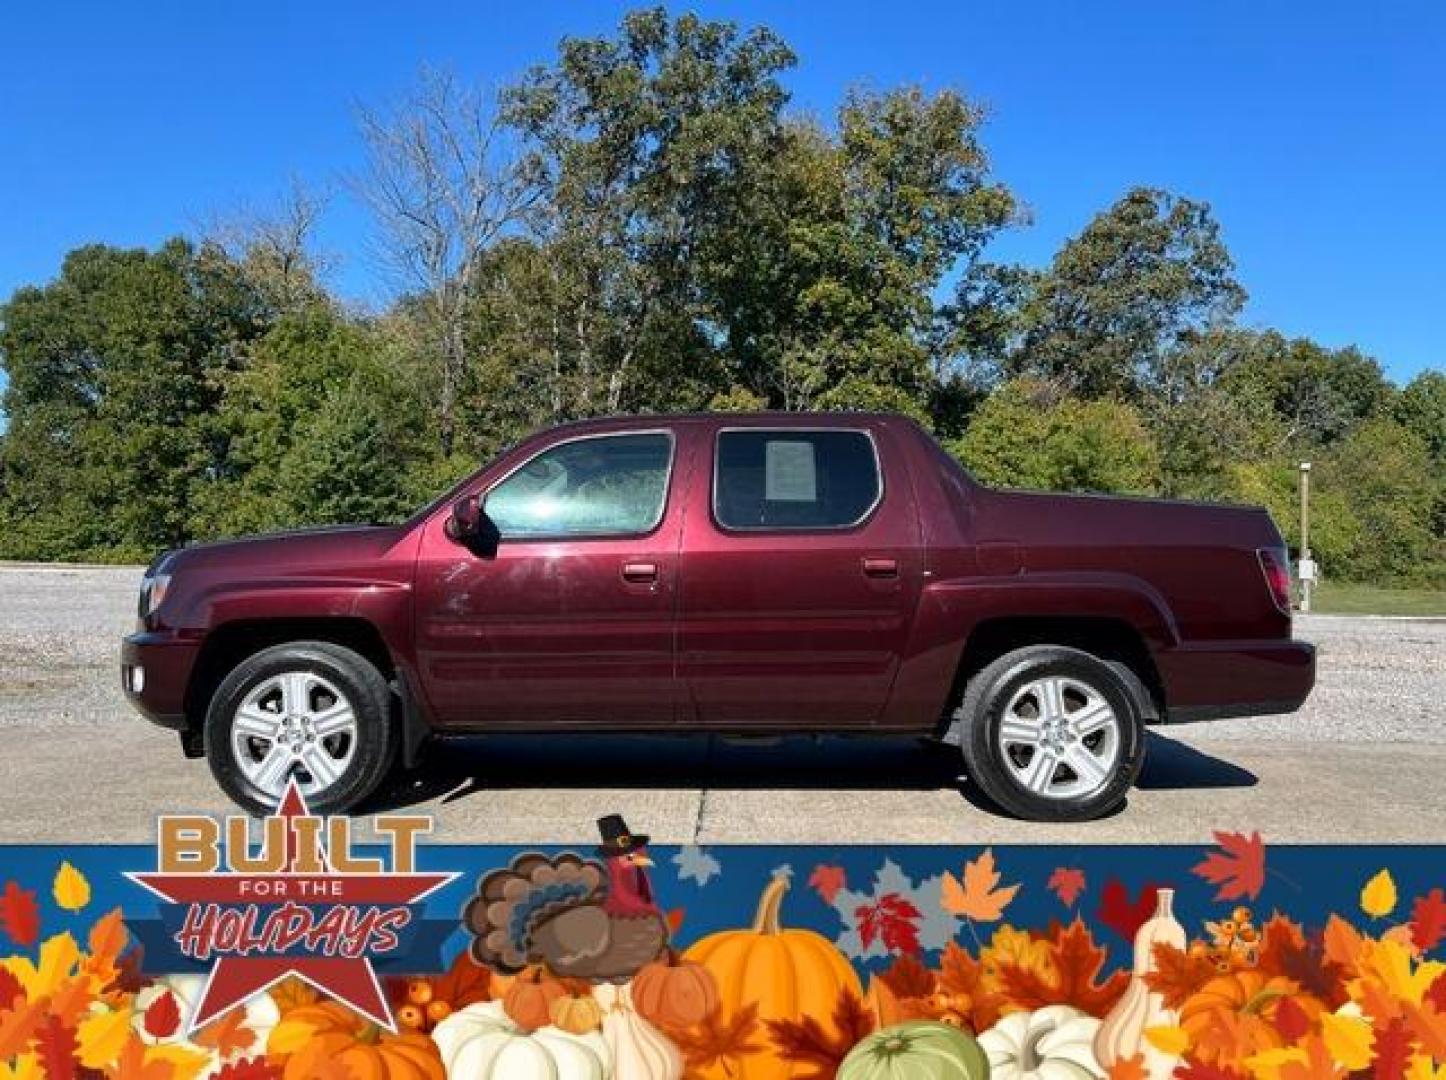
x=1316, y=130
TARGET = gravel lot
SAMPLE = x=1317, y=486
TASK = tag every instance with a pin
x=1362, y=761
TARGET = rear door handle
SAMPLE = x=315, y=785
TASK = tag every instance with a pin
x=640, y=573
x=879, y=567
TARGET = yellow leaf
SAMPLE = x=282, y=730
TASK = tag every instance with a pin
x=25, y=1067
x=978, y=897
x=102, y=1036
x=1378, y=898
x=72, y=891
x=1268, y=1064
x=185, y=1063
x=58, y=957
x=1391, y=964
x=1170, y=1041
x=1348, y=1040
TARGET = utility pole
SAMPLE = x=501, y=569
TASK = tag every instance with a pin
x=1306, y=566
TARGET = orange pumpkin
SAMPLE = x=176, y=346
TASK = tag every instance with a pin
x=1236, y=1011
x=675, y=993
x=311, y=1035
x=787, y=974
x=529, y=999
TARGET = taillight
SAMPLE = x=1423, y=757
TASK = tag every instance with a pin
x=1275, y=565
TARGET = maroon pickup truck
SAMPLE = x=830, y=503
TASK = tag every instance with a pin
x=742, y=574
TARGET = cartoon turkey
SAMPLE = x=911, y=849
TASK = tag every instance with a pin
x=582, y=918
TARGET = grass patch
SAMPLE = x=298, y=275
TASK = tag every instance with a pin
x=1347, y=598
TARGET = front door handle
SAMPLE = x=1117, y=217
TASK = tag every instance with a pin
x=880, y=567
x=640, y=573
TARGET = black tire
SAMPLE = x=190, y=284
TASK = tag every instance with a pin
x=377, y=738
x=981, y=713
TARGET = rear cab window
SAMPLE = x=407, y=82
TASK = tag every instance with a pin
x=784, y=479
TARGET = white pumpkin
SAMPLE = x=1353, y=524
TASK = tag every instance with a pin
x=480, y=1042
x=262, y=1015
x=1053, y=1043
x=640, y=1051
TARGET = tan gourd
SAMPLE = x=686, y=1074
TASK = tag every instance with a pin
x=1122, y=1036
x=639, y=1050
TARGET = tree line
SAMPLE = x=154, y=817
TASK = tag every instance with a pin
x=645, y=224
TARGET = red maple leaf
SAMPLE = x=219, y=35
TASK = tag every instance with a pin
x=1428, y=920
x=1121, y=914
x=892, y=920
x=1238, y=867
x=1067, y=883
x=10, y=989
x=55, y=1045
x=163, y=1017
x=1291, y=1020
x=1077, y=962
x=827, y=881
x=1436, y=995
x=1394, y=1048
x=19, y=915
x=1198, y=1071
x=253, y=1068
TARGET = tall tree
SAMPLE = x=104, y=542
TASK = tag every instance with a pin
x=645, y=141
x=444, y=184
x=1141, y=280
x=115, y=373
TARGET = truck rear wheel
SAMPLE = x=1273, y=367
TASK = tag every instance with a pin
x=309, y=711
x=1051, y=733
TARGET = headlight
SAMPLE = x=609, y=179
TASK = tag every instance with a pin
x=153, y=591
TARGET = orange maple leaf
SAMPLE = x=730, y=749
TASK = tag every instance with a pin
x=1429, y=1027
x=979, y=897
x=1178, y=974
x=1076, y=961
x=1238, y=867
x=1130, y=1068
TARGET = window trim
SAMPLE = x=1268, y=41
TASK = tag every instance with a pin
x=555, y=538
x=857, y=523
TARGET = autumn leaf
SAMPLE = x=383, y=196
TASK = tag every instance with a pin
x=907, y=977
x=56, y=1048
x=1130, y=1068
x=1428, y=920
x=809, y=1042
x=136, y=1064
x=292, y=994
x=17, y=1025
x=1291, y=1020
x=228, y=1035
x=1077, y=961
x=675, y=919
x=1170, y=1040
x=128, y=977
x=1428, y=1024
x=1378, y=898
x=163, y=1018
x=718, y=1044
x=19, y=915
x=894, y=920
x=1394, y=1049
x=71, y=890
x=1348, y=1040
x=1178, y=974
x=1390, y=963
x=102, y=1036
x=1309, y=1061
x=1195, y=1070
x=255, y=1068
x=1238, y=867
x=106, y=940
x=961, y=975
x=1123, y=915
x=1285, y=950
x=184, y=1063
x=979, y=896
x=1067, y=883
x=1343, y=943
x=827, y=881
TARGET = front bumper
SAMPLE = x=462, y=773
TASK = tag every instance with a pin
x=1217, y=680
x=155, y=669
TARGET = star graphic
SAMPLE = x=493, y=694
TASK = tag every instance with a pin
x=350, y=980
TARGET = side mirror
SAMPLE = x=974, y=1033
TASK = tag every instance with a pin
x=465, y=524
x=470, y=526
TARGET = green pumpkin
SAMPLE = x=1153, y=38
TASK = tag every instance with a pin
x=919, y=1049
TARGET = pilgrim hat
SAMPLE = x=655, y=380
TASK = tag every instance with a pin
x=616, y=840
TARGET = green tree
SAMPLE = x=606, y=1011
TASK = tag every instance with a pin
x=1142, y=279
x=1421, y=409
x=1025, y=435
x=115, y=373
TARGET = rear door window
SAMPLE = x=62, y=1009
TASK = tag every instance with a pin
x=795, y=480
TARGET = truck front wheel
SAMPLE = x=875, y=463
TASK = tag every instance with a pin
x=310, y=712
x=1051, y=734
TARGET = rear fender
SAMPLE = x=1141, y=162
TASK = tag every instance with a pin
x=950, y=611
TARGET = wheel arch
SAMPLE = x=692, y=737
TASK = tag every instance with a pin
x=1112, y=639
